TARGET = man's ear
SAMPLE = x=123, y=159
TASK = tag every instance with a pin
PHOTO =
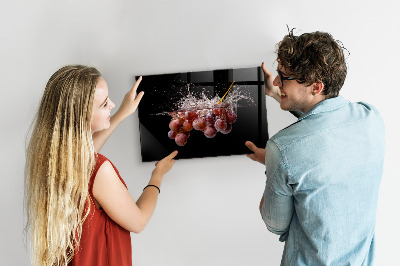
x=317, y=88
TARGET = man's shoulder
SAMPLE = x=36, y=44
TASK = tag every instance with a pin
x=368, y=114
x=321, y=123
x=367, y=108
x=288, y=135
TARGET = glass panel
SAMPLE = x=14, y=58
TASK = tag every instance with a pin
x=184, y=112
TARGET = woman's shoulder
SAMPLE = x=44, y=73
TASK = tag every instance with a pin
x=105, y=167
x=100, y=158
x=102, y=165
x=99, y=161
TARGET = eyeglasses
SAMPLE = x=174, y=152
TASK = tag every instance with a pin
x=282, y=78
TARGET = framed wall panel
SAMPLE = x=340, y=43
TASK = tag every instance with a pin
x=184, y=112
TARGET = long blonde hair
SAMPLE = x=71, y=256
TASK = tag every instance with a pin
x=59, y=161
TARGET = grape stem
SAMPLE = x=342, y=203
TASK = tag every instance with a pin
x=220, y=101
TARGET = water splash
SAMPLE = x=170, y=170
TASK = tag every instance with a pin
x=198, y=100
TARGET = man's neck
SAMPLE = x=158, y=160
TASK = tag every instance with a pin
x=316, y=100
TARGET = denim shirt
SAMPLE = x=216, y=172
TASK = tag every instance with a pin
x=323, y=176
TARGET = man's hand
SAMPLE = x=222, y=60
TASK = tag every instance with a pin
x=258, y=155
x=270, y=89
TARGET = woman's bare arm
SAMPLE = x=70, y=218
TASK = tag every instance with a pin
x=119, y=205
x=128, y=107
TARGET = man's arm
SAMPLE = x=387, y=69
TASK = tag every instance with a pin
x=274, y=91
x=270, y=89
x=276, y=206
x=276, y=211
x=128, y=107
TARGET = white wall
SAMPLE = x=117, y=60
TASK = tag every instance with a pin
x=208, y=208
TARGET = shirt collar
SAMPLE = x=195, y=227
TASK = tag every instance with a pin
x=325, y=106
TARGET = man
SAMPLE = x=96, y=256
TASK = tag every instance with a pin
x=323, y=171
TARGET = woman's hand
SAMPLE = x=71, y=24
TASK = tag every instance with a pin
x=128, y=107
x=131, y=101
x=119, y=205
x=270, y=89
x=163, y=166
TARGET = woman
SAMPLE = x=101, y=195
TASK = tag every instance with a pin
x=78, y=207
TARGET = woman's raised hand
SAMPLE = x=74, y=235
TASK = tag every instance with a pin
x=131, y=101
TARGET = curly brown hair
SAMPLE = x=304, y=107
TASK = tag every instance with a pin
x=314, y=57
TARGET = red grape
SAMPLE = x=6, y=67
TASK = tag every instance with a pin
x=199, y=124
x=227, y=130
x=210, y=132
x=175, y=124
x=210, y=119
x=171, y=134
x=181, y=139
x=190, y=115
x=220, y=124
x=187, y=126
x=231, y=117
x=218, y=111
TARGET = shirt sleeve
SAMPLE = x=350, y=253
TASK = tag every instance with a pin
x=277, y=209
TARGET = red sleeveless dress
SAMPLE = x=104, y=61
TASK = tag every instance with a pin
x=103, y=241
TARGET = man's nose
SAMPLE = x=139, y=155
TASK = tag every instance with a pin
x=277, y=81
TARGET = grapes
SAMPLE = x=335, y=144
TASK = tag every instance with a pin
x=208, y=120
x=210, y=132
x=227, y=130
x=218, y=111
x=220, y=124
x=175, y=124
x=230, y=117
x=181, y=139
x=172, y=134
x=199, y=124
x=190, y=115
x=187, y=126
